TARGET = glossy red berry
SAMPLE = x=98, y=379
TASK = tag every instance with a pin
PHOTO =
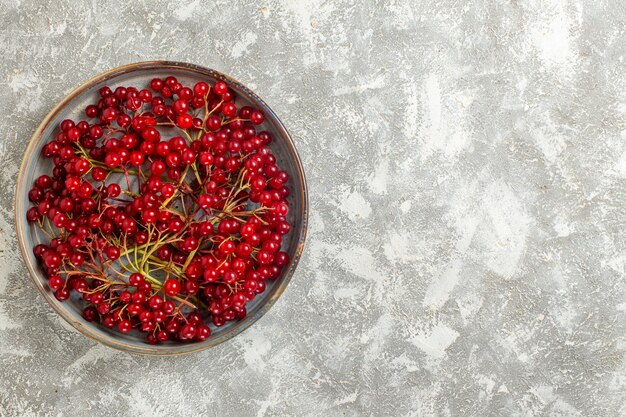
x=220, y=88
x=171, y=287
x=124, y=326
x=156, y=84
x=184, y=121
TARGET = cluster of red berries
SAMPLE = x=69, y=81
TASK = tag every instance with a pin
x=165, y=210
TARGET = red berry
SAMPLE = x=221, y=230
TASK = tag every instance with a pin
x=55, y=282
x=156, y=84
x=202, y=333
x=62, y=294
x=124, y=326
x=171, y=287
x=220, y=88
x=256, y=117
x=184, y=121
x=229, y=110
x=113, y=190
x=112, y=253
x=180, y=106
x=151, y=134
x=201, y=89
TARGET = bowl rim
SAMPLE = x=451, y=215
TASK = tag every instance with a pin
x=170, y=350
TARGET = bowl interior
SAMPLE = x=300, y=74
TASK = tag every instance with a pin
x=139, y=75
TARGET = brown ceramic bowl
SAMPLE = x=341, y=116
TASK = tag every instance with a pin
x=140, y=74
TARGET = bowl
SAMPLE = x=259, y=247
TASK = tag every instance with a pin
x=140, y=74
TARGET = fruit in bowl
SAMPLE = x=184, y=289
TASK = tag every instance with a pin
x=162, y=210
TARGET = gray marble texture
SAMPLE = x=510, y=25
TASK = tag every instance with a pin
x=466, y=163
